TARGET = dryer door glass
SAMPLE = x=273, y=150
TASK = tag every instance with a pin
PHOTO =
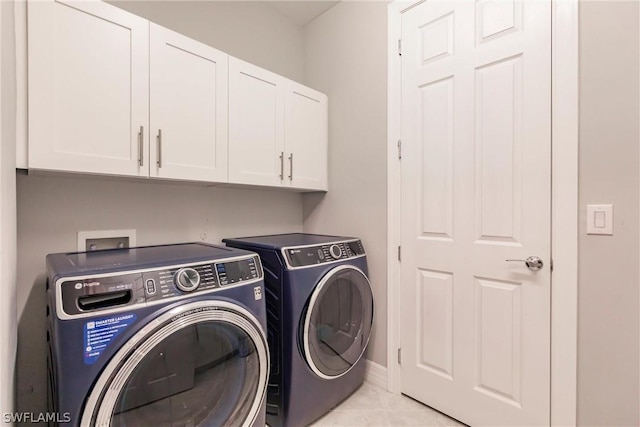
x=338, y=322
x=204, y=366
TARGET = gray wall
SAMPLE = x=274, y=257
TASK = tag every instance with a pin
x=52, y=209
x=8, y=321
x=346, y=57
x=249, y=30
x=608, y=356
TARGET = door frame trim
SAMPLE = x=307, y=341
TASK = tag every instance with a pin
x=564, y=199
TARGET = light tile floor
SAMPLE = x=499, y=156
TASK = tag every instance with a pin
x=370, y=405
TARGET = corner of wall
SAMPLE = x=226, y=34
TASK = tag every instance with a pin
x=8, y=264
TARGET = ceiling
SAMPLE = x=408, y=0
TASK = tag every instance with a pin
x=302, y=12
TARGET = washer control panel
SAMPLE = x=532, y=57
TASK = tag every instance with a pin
x=320, y=254
x=90, y=294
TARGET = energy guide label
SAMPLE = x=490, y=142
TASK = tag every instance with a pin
x=99, y=333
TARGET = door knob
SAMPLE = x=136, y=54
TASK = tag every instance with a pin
x=533, y=263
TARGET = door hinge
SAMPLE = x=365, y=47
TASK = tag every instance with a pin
x=551, y=264
x=399, y=149
x=399, y=253
x=399, y=356
x=399, y=47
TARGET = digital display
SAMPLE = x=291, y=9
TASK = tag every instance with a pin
x=238, y=270
x=355, y=247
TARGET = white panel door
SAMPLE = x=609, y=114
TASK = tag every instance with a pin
x=476, y=97
x=88, y=88
x=256, y=125
x=189, y=95
x=305, y=137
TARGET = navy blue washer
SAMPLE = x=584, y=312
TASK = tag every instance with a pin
x=319, y=319
x=159, y=335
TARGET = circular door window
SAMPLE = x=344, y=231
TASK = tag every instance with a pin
x=338, y=322
x=202, y=364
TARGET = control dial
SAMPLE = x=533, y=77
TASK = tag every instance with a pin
x=186, y=279
x=335, y=251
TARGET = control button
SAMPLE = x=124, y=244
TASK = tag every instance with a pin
x=187, y=279
x=335, y=251
x=151, y=286
x=320, y=254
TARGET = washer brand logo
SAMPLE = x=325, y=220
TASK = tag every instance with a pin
x=89, y=284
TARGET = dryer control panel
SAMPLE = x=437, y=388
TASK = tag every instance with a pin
x=304, y=256
x=79, y=296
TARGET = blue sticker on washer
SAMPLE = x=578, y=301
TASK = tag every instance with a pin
x=99, y=333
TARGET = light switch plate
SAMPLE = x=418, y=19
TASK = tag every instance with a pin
x=600, y=219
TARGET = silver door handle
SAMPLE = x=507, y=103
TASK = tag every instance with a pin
x=281, y=165
x=533, y=263
x=140, y=146
x=291, y=167
x=159, y=138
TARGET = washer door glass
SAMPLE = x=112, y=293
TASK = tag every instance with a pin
x=338, y=322
x=205, y=365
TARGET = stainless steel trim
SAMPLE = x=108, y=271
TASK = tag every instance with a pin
x=61, y=314
x=312, y=302
x=136, y=348
x=281, y=165
x=159, y=154
x=290, y=267
x=291, y=167
x=141, y=146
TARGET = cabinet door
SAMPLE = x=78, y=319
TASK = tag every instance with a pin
x=189, y=94
x=88, y=88
x=256, y=125
x=305, y=137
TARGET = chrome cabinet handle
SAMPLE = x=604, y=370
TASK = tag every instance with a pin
x=281, y=165
x=140, y=146
x=533, y=263
x=291, y=167
x=159, y=139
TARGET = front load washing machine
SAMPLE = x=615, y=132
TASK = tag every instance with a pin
x=168, y=335
x=319, y=319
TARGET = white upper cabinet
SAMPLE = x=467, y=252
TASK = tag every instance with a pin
x=277, y=130
x=305, y=137
x=111, y=93
x=189, y=94
x=256, y=125
x=88, y=88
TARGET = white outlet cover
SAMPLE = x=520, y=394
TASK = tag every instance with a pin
x=600, y=219
x=83, y=236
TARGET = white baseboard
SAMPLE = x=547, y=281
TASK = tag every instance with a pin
x=376, y=374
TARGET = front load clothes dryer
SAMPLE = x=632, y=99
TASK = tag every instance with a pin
x=319, y=319
x=156, y=336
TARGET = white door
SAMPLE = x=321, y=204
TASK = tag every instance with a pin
x=189, y=95
x=476, y=97
x=305, y=137
x=88, y=88
x=256, y=125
